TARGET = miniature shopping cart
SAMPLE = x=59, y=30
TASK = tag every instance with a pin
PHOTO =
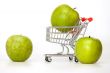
x=65, y=39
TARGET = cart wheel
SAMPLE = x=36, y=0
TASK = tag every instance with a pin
x=76, y=60
x=48, y=59
x=70, y=58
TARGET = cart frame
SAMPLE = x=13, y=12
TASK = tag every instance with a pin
x=54, y=35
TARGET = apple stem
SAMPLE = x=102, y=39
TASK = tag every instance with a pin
x=89, y=36
x=74, y=8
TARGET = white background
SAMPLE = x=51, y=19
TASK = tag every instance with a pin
x=31, y=17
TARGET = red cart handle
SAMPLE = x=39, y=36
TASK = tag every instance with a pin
x=84, y=19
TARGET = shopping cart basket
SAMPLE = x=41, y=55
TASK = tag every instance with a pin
x=66, y=39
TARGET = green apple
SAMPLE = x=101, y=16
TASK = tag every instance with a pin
x=18, y=48
x=64, y=15
x=88, y=50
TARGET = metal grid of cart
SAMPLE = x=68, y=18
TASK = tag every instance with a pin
x=63, y=38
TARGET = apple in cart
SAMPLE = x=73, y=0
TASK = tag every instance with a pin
x=88, y=50
x=18, y=48
x=64, y=15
